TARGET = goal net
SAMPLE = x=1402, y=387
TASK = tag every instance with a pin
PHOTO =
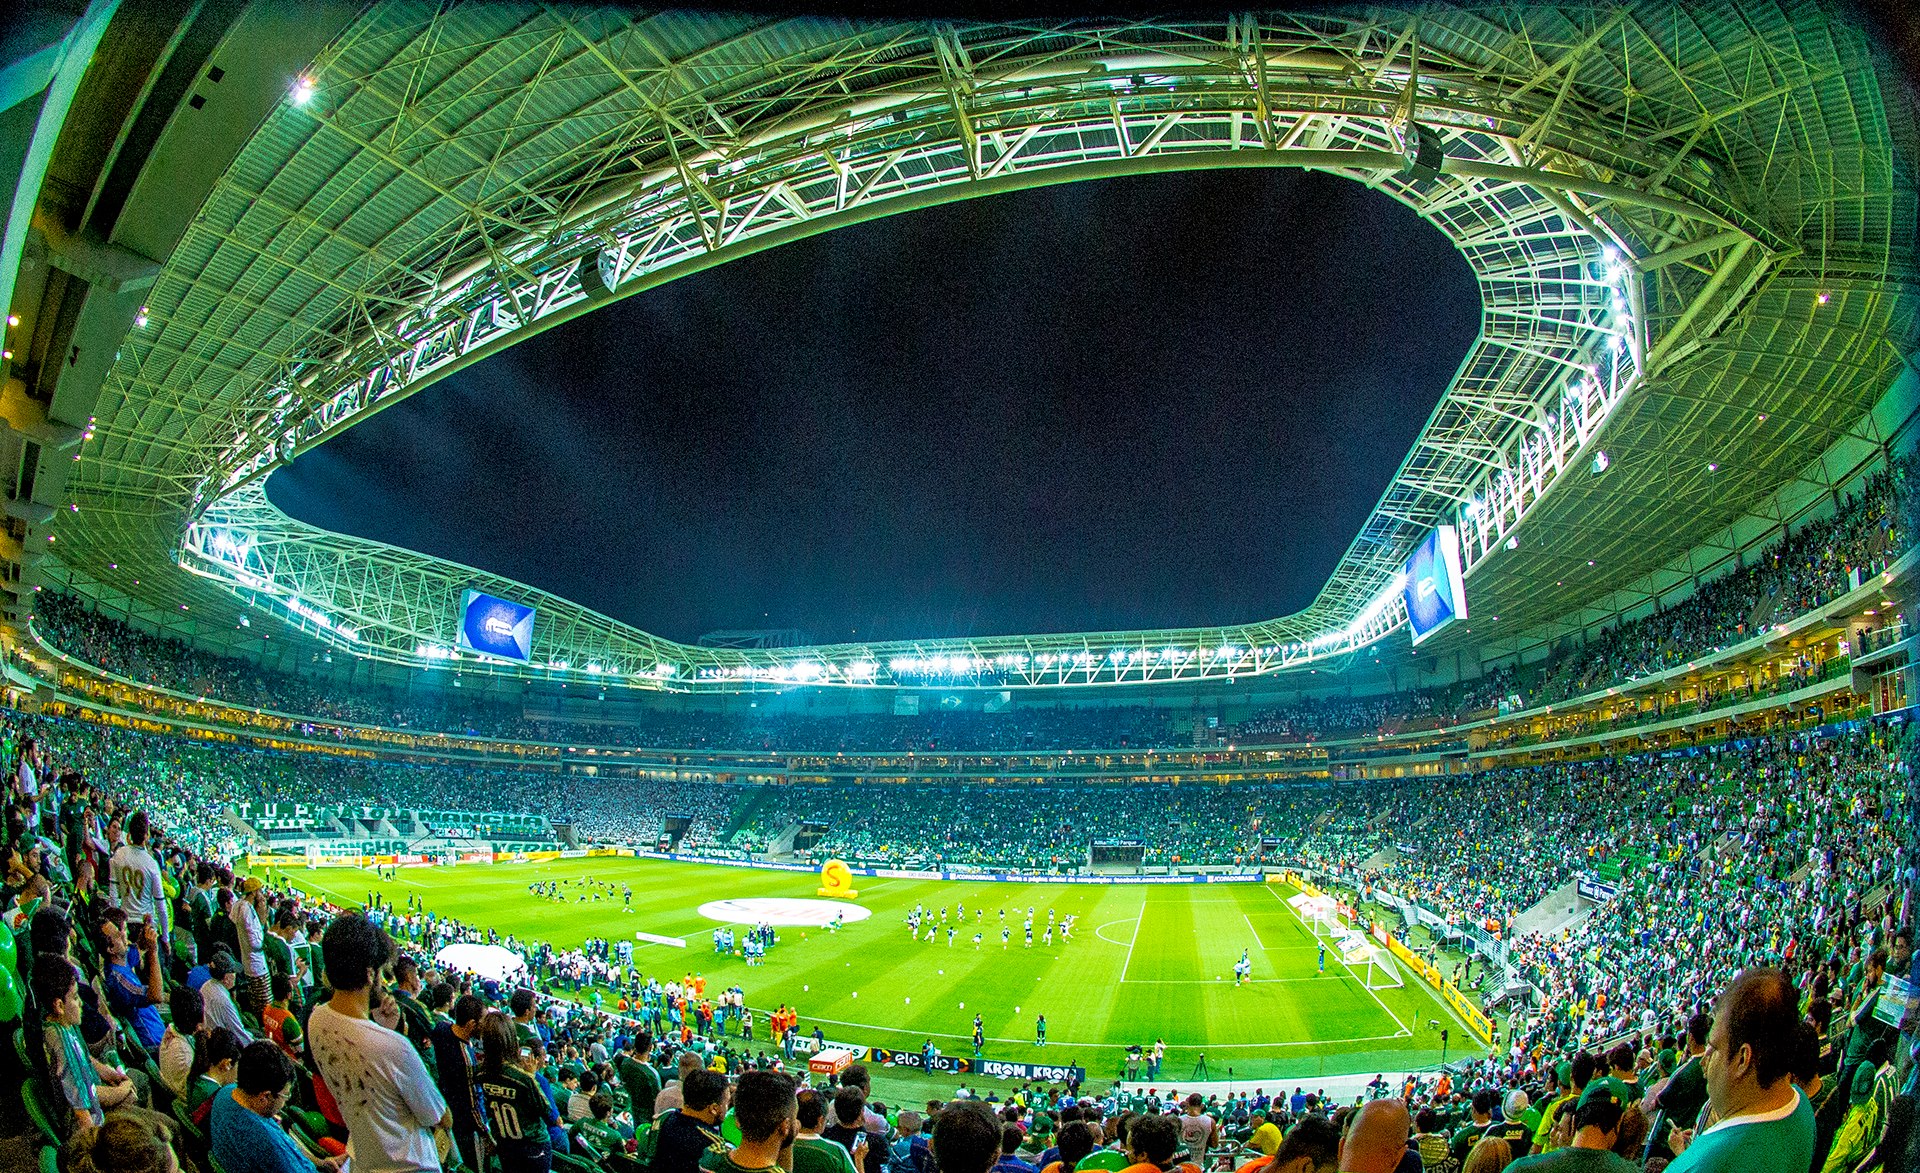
x=1366, y=960
x=1374, y=966
x=1321, y=915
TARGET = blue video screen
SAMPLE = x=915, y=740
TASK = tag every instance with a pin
x=1435, y=591
x=496, y=627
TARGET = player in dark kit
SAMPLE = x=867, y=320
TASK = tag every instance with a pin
x=979, y=1036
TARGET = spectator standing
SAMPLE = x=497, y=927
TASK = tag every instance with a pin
x=1479, y=1126
x=848, y=1129
x=1198, y=1131
x=389, y=1104
x=136, y=878
x=686, y=1136
x=765, y=1111
x=453, y=1043
x=812, y=1152
x=638, y=1076
x=516, y=1111
x=249, y=914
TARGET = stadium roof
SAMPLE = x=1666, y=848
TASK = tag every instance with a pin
x=1693, y=230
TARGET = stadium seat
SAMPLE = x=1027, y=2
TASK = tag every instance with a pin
x=568, y=1163
x=41, y=1108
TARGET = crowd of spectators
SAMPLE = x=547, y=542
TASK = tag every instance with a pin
x=1723, y=827
x=1816, y=564
x=1812, y=566
x=1033, y=828
x=1717, y=1014
x=190, y=785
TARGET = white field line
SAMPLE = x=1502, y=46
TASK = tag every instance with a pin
x=1405, y=1030
x=1028, y=1042
x=1101, y=933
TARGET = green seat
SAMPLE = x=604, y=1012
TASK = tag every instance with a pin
x=568, y=1163
x=41, y=1108
x=1103, y=1159
x=189, y=1131
x=312, y=1123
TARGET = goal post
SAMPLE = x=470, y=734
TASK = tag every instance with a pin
x=1374, y=966
x=1321, y=915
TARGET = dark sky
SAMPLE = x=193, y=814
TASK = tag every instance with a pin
x=1157, y=401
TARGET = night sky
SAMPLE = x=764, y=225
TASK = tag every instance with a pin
x=1157, y=401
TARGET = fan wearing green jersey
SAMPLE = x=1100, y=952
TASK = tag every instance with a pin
x=512, y=1105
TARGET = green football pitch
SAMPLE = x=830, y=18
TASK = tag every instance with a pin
x=1147, y=961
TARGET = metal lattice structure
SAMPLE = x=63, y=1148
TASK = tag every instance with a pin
x=1680, y=219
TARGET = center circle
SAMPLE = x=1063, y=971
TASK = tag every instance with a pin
x=782, y=910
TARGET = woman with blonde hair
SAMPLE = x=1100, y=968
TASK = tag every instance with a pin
x=1491, y=1155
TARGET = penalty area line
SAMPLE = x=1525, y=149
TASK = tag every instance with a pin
x=1405, y=1030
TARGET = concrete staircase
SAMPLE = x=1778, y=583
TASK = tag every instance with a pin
x=1555, y=911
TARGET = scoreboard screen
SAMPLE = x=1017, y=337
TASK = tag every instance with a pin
x=496, y=627
x=1436, y=590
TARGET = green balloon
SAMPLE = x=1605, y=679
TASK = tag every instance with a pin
x=9, y=951
x=10, y=1000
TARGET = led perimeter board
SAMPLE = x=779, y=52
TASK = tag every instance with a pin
x=1436, y=590
x=496, y=627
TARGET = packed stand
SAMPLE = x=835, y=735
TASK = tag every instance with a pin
x=172, y=1014
x=1032, y=828
x=1809, y=568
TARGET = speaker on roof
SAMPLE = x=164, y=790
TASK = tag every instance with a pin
x=1420, y=152
x=597, y=275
